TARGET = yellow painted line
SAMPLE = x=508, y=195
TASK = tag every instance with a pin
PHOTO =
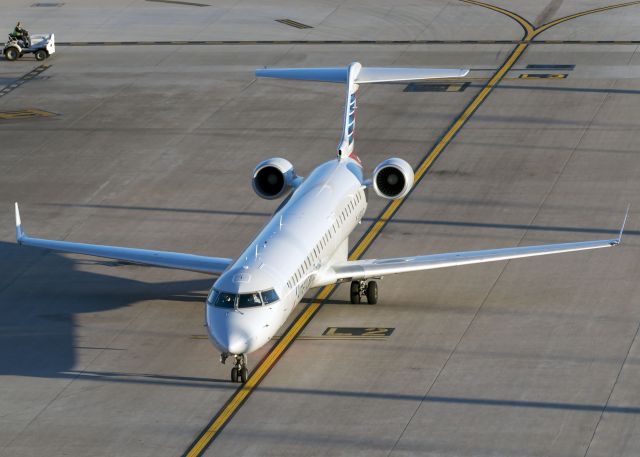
x=263, y=368
x=439, y=147
x=548, y=25
x=25, y=114
x=526, y=25
x=260, y=372
x=237, y=399
x=287, y=338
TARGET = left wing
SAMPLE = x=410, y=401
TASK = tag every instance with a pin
x=201, y=264
x=364, y=269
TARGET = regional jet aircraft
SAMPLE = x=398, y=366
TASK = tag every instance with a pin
x=305, y=244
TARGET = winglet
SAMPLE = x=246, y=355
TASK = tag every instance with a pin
x=619, y=239
x=19, y=233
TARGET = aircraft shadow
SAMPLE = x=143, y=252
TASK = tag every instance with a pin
x=42, y=292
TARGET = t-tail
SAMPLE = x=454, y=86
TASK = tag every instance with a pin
x=352, y=76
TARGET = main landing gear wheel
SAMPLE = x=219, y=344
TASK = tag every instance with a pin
x=372, y=292
x=244, y=374
x=363, y=289
x=355, y=292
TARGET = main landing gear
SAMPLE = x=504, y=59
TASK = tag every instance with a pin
x=239, y=372
x=361, y=289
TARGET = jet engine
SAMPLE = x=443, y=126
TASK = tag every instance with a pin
x=393, y=179
x=273, y=177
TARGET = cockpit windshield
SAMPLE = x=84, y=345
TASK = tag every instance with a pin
x=249, y=300
x=227, y=300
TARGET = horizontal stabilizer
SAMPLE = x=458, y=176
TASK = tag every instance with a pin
x=352, y=76
x=386, y=75
x=366, y=74
x=327, y=75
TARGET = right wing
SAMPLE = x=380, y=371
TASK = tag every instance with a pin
x=190, y=262
x=358, y=270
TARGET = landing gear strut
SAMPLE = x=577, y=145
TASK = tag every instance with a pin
x=239, y=372
x=364, y=289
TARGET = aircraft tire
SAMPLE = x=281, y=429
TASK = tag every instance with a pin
x=234, y=374
x=372, y=292
x=244, y=374
x=355, y=292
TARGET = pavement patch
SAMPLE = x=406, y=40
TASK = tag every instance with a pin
x=177, y=2
x=551, y=67
x=292, y=23
x=23, y=79
x=439, y=87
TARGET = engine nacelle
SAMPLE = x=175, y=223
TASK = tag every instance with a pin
x=273, y=177
x=393, y=179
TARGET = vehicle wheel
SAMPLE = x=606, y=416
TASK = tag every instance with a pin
x=40, y=54
x=372, y=292
x=234, y=374
x=11, y=54
x=244, y=375
x=355, y=292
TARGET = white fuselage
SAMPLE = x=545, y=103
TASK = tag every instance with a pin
x=304, y=237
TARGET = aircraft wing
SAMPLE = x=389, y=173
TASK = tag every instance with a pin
x=201, y=264
x=364, y=269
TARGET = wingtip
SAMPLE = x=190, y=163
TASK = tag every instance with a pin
x=624, y=222
x=19, y=231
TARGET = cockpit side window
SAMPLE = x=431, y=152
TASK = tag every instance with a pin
x=269, y=296
x=213, y=295
x=225, y=300
x=249, y=300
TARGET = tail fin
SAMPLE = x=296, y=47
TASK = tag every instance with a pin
x=354, y=75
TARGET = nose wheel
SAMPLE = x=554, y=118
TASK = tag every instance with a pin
x=239, y=372
x=361, y=289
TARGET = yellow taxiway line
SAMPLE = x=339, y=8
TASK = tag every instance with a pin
x=239, y=396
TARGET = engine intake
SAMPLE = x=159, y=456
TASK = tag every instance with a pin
x=273, y=177
x=393, y=179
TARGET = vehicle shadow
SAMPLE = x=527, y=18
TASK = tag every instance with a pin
x=42, y=292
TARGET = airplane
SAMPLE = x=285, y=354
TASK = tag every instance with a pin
x=305, y=244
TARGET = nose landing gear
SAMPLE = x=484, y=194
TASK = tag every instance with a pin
x=364, y=289
x=239, y=372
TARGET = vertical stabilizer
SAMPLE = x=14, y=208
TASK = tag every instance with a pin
x=345, y=148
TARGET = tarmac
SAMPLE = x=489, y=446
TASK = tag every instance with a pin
x=153, y=146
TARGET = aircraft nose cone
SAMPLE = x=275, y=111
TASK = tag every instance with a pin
x=237, y=345
x=227, y=334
